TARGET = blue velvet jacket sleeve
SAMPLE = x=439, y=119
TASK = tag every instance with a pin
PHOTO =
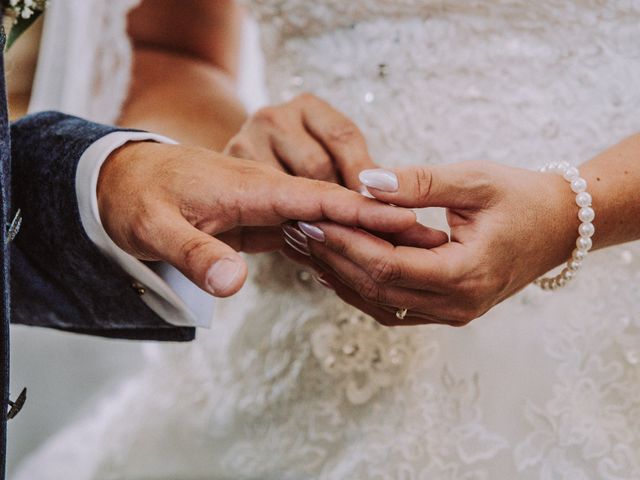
x=59, y=278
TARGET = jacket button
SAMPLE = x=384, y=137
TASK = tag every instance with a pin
x=139, y=288
x=16, y=406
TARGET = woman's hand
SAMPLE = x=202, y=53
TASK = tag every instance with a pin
x=167, y=202
x=306, y=137
x=508, y=227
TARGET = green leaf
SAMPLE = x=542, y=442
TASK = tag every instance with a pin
x=20, y=27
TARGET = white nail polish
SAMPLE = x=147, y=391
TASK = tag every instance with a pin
x=323, y=282
x=365, y=193
x=379, y=179
x=312, y=231
x=297, y=246
x=294, y=233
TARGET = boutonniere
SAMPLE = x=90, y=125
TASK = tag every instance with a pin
x=23, y=13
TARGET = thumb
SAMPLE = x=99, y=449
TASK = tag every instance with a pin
x=463, y=185
x=209, y=263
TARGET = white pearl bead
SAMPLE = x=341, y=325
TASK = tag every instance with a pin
x=578, y=185
x=574, y=264
x=583, y=199
x=579, y=255
x=567, y=273
x=586, y=229
x=570, y=173
x=586, y=214
x=584, y=244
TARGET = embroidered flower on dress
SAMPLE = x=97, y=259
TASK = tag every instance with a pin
x=359, y=352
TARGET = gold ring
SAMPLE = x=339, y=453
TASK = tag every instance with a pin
x=401, y=313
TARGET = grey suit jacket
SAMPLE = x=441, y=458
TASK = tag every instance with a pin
x=52, y=274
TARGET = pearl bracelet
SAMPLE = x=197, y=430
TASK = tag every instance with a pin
x=586, y=230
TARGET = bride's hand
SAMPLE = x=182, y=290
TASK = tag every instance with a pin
x=508, y=226
x=306, y=137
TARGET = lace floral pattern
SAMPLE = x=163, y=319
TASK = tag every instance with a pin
x=590, y=426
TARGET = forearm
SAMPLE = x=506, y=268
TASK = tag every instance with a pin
x=614, y=182
x=183, y=82
x=183, y=98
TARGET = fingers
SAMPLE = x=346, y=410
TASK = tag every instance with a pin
x=303, y=155
x=384, y=263
x=306, y=137
x=369, y=289
x=463, y=185
x=309, y=200
x=419, y=236
x=254, y=147
x=209, y=263
x=384, y=315
x=340, y=137
x=253, y=239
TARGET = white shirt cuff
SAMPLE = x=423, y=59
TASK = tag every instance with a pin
x=166, y=291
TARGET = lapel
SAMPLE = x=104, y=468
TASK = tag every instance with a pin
x=5, y=195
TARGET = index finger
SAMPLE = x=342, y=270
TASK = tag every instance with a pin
x=312, y=200
x=340, y=136
x=402, y=266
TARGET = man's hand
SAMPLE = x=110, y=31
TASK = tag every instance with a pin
x=166, y=202
x=306, y=137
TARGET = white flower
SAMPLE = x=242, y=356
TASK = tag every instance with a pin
x=363, y=356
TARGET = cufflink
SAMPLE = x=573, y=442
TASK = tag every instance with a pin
x=14, y=227
x=17, y=405
x=139, y=288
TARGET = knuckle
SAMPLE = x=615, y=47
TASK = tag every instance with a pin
x=384, y=270
x=370, y=291
x=190, y=250
x=344, y=131
x=317, y=165
x=270, y=117
x=424, y=180
x=239, y=147
x=306, y=97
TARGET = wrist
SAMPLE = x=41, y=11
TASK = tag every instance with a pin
x=583, y=244
x=113, y=185
x=562, y=220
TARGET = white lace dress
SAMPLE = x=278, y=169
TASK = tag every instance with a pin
x=292, y=384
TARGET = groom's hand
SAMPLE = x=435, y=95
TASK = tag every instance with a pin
x=167, y=202
x=306, y=137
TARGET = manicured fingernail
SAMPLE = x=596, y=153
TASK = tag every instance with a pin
x=323, y=282
x=297, y=246
x=379, y=179
x=312, y=231
x=294, y=233
x=222, y=275
x=365, y=193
